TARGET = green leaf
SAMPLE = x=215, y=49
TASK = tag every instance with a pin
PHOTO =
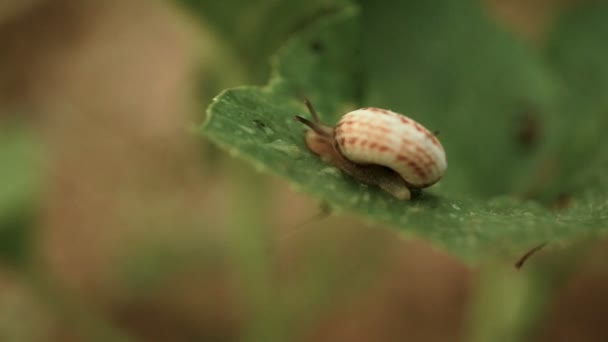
x=19, y=181
x=246, y=32
x=579, y=55
x=443, y=63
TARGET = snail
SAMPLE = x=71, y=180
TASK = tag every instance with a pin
x=379, y=147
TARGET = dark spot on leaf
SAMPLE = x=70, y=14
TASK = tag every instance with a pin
x=259, y=124
x=528, y=129
x=317, y=46
x=563, y=201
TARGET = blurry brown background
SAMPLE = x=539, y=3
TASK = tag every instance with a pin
x=108, y=85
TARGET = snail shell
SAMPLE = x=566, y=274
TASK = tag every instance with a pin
x=379, y=147
x=382, y=137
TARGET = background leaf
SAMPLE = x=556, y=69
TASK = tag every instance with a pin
x=459, y=73
x=247, y=34
x=19, y=169
x=578, y=53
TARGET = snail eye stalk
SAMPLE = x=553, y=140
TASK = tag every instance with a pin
x=312, y=111
x=313, y=125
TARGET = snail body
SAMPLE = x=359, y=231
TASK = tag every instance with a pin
x=379, y=147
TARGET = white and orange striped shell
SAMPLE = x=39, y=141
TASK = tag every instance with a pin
x=382, y=137
x=379, y=147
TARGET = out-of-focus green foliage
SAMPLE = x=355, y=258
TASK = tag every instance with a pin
x=19, y=177
x=446, y=65
x=252, y=30
x=578, y=54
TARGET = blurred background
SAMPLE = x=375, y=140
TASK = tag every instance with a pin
x=119, y=224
